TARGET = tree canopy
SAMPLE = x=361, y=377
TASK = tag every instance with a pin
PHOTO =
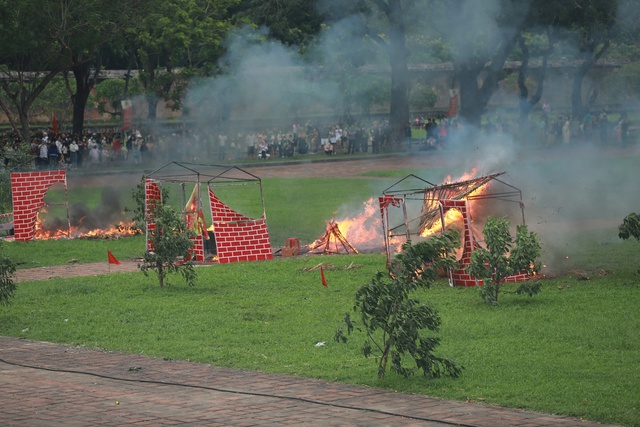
x=170, y=42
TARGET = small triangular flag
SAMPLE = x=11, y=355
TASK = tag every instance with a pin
x=112, y=259
x=324, y=281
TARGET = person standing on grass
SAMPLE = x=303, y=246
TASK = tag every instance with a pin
x=408, y=136
x=73, y=152
x=43, y=158
x=54, y=154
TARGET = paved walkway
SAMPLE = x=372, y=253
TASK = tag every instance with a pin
x=44, y=384
x=74, y=270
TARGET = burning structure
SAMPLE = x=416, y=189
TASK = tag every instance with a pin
x=332, y=242
x=28, y=190
x=232, y=236
x=439, y=206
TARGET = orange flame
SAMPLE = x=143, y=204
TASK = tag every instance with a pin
x=44, y=232
x=365, y=231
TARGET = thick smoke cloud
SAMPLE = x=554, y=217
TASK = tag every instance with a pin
x=568, y=190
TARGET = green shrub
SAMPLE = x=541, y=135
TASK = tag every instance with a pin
x=393, y=319
x=502, y=259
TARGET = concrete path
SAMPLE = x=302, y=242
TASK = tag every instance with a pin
x=44, y=384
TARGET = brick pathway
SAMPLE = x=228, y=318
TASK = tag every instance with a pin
x=74, y=270
x=44, y=384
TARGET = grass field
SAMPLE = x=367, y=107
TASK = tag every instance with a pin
x=574, y=349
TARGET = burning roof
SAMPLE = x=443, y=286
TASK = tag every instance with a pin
x=431, y=194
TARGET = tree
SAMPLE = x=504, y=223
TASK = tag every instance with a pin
x=174, y=41
x=170, y=240
x=293, y=23
x=29, y=60
x=422, y=97
x=502, y=258
x=630, y=227
x=624, y=84
x=7, y=285
x=92, y=25
x=528, y=102
x=45, y=38
x=385, y=23
x=109, y=94
x=481, y=36
x=394, y=320
x=592, y=24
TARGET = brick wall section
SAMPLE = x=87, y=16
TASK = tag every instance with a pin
x=459, y=276
x=27, y=194
x=238, y=238
x=152, y=195
x=197, y=248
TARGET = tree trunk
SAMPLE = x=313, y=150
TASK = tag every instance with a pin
x=471, y=105
x=22, y=99
x=526, y=103
x=25, y=130
x=398, y=54
x=591, y=56
x=84, y=83
x=161, y=274
x=577, y=107
x=152, y=105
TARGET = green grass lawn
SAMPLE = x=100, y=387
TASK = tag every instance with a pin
x=571, y=350
x=574, y=349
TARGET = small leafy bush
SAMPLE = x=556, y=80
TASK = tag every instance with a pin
x=394, y=320
x=170, y=240
x=504, y=257
x=630, y=227
x=7, y=285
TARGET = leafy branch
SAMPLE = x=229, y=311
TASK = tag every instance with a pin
x=394, y=321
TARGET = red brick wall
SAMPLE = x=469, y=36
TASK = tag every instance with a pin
x=152, y=196
x=459, y=276
x=238, y=238
x=27, y=194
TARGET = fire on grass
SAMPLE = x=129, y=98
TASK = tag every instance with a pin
x=364, y=232
x=63, y=229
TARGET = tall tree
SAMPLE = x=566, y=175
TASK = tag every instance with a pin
x=294, y=23
x=592, y=24
x=90, y=26
x=174, y=40
x=385, y=22
x=29, y=59
x=481, y=37
x=63, y=37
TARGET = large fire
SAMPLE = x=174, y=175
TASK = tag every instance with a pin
x=453, y=217
x=365, y=232
x=58, y=229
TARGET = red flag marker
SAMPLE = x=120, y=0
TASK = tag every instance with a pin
x=54, y=123
x=324, y=281
x=112, y=259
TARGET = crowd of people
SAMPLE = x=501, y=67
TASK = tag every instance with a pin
x=187, y=144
